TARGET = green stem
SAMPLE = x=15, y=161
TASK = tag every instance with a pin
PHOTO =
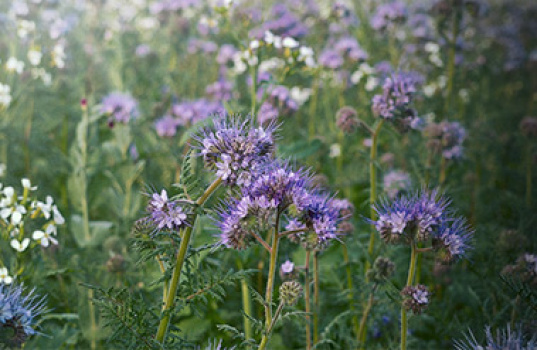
x=373, y=190
x=442, y=177
x=410, y=278
x=276, y=315
x=246, y=305
x=528, y=177
x=270, y=282
x=316, y=290
x=350, y=287
x=367, y=310
x=451, y=60
x=307, y=299
x=165, y=320
x=313, y=107
x=253, y=90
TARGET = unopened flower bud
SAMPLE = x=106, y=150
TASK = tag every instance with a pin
x=415, y=298
x=347, y=119
x=383, y=268
x=290, y=292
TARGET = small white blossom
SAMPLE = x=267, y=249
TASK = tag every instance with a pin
x=432, y=47
x=46, y=238
x=5, y=95
x=371, y=83
x=4, y=276
x=20, y=246
x=34, y=56
x=27, y=184
x=290, y=43
x=14, y=65
x=254, y=44
x=335, y=150
x=300, y=95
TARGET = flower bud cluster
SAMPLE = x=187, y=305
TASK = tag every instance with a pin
x=382, y=270
x=290, y=292
x=415, y=298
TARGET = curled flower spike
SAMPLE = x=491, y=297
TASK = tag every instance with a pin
x=166, y=214
x=17, y=314
x=452, y=239
x=236, y=150
x=415, y=298
x=290, y=292
x=505, y=339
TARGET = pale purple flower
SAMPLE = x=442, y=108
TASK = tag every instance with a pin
x=396, y=181
x=121, y=106
x=166, y=126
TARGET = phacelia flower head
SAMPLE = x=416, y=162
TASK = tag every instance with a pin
x=166, y=214
x=388, y=14
x=383, y=269
x=412, y=217
x=446, y=138
x=505, y=339
x=121, y=106
x=394, y=104
x=290, y=292
x=18, y=311
x=347, y=119
x=453, y=239
x=415, y=298
x=166, y=126
x=236, y=150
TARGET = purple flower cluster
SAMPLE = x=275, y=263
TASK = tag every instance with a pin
x=284, y=23
x=236, y=150
x=396, y=181
x=203, y=46
x=17, y=314
x=421, y=217
x=387, y=14
x=446, y=138
x=171, y=5
x=279, y=102
x=393, y=104
x=121, y=106
x=222, y=90
x=226, y=54
x=277, y=189
x=416, y=298
x=166, y=214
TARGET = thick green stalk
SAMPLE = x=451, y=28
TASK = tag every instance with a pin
x=307, y=300
x=270, y=283
x=410, y=278
x=373, y=189
x=246, y=305
x=168, y=306
x=350, y=287
x=316, y=291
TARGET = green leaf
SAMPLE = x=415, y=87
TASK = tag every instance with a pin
x=98, y=231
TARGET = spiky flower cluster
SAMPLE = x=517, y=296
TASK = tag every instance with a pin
x=290, y=292
x=18, y=311
x=166, y=214
x=121, y=106
x=277, y=189
x=393, y=104
x=446, y=138
x=347, y=119
x=525, y=269
x=236, y=150
x=505, y=339
x=420, y=217
x=415, y=298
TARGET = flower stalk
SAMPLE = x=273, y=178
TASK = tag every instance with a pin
x=410, y=278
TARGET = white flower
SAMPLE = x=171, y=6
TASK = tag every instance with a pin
x=34, y=57
x=16, y=212
x=26, y=184
x=300, y=95
x=335, y=150
x=58, y=218
x=357, y=76
x=4, y=276
x=290, y=43
x=366, y=68
x=5, y=95
x=254, y=44
x=46, y=238
x=464, y=95
x=46, y=208
x=14, y=65
x=271, y=64
x=58, y=56
x=432, y=47
x=436, y=60
x=429, y=90
x=20, y=246
x=371, y=83
x=24, y=28
x=269, y=37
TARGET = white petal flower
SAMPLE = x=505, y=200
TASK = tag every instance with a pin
x=34, y=57
x=27, y=184
x=58, y=218
x=254, y=44
x=16, y=218
x=290, y=43
x=20, y=246
x=4, y=276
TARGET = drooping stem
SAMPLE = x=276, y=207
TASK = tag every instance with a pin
x=373, y=189
x=307, y=300
x=410, y=278
x=316, y=291
x=367, y=310
x=270, y=283
x=183, y=247
x=350, y=287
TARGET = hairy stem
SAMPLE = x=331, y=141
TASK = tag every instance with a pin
x=307, y=300
x=410, y=278
x=246, y=305
x=316, y=290
x=168, y=306
x=367, y=310
x=350, y=287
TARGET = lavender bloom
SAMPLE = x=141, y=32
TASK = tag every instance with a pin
x=203, y=46
x=166, y=126
x=267, y=113
x=446, y=138
x=330, y=59
x=505, y=339
x=226, y=54
x=284, y=24
x=288, y=271
x=121, y=106
x=166, y=214
x=279, y=102
x=221, y=90
x=349, y=47
x=411, y=217
x=347, y=119
x=452, y=239
x=236, y=150
x=191, y=112
x=387, y=14
x=18, y=313
x=396, y=181
x=142, y=50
